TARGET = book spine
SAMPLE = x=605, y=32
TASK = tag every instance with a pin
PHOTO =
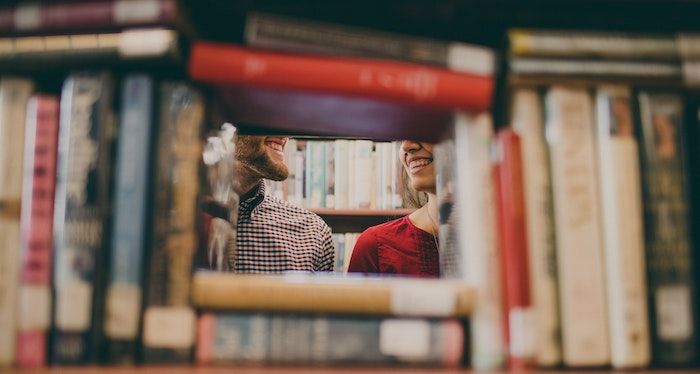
x=667, y=240
x=316, y=172
x=618, y=160
x=169, y=319
x=568, y=68
x=124, y=294
x=330, y=174
x=301, y=36
x=35, y=18
x=297, y=339
x=579, y=239
x=479, y=264
x=14, y=95
x=591, y=44
x=363, y=173
x=299, y=177
x=221, y=63
x=40, y=147
x=81, y=216
x=342, y=173
x=514, y=251
x=528, y=122
x=31, y=53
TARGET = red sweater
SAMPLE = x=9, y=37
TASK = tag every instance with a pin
x=396, y=247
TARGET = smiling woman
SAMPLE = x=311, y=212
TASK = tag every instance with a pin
x=408, y=245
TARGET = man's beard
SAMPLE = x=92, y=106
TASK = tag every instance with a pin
x=251, y=153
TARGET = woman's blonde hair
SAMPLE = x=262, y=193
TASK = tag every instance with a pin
x=409, y=196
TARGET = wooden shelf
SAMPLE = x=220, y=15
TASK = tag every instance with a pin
x=298, y=370
x=392, y=213
x=358, y=220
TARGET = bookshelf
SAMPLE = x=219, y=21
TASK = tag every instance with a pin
x=478, y=21
x=290, y=370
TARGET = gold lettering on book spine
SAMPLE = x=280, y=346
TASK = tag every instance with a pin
x=180, y=236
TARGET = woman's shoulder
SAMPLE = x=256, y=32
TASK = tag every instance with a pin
x=391, y=228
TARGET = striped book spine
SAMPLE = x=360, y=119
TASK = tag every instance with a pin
x=14, y=94
x=81, y=214
x=130, y=224
x=40, y=152
x=169, y=319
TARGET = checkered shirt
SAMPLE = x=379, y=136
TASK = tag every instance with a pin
x=275, y=236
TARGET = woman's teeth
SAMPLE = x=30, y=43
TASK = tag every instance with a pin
x=416, y=164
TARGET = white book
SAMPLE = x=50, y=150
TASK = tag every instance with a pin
x=289, y=159
x=329, y=147
x=387, y=182
x=341, y=173
x=478, y=257
x=352, y=178
x=14, y=94
x=528, y=122
x=396, y=170
x=363, y=175
x=378, y=175
x=620, y=189
x=299, y=177
x=579, y=240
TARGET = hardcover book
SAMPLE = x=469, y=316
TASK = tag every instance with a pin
x=234, y=338
x=81, y=217
x=228, y=64
x=668, y=243
x=83, y=16
x=579, y=240
x=508, y=176
x=39, y=185
x=169, y=319
x=14, y=94
x=289, y=34
x=527, y=120
x=620, y=187
x=130, y=223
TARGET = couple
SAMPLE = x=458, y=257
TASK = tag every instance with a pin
x=276, y=236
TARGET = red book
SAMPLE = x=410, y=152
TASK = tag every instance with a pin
x=36, y=229
x=227, y=64
x=49, y=17
x=514, y=256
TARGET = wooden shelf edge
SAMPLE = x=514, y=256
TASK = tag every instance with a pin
x=362, y=212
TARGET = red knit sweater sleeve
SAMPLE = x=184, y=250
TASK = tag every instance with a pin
x=365, y=255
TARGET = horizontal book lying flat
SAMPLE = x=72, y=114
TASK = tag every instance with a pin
x=329, y=293
x=293, y=112
x=26, y=53
x=262, y=338
x=229, y=64
x=31, y=17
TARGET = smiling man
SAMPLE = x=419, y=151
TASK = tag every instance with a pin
x=273, y=235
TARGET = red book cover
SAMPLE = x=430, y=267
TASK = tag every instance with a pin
x=32, y=17
x=514, y=258
x=36, y=229
x=227, y=64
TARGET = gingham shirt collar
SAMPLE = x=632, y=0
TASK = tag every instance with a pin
x=250, y=204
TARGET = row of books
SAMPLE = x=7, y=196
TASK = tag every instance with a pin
x=341, y=174
x=87, y=242
x=344, y=244
x=584, y=207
